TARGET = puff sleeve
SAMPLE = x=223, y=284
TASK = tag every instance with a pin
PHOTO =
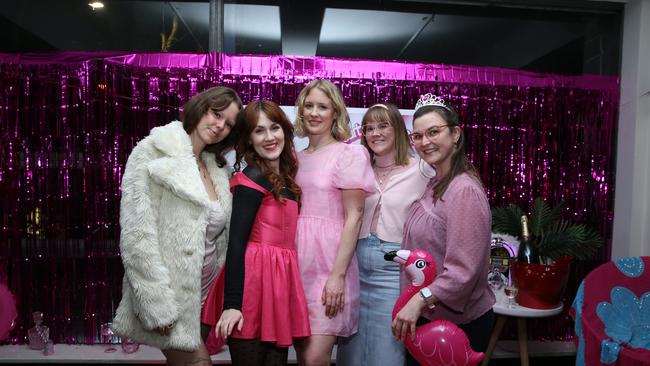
x=353, y=170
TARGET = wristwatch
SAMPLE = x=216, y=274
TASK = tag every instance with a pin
x=426, y=295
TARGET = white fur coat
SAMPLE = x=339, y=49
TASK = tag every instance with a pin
x=163, y=219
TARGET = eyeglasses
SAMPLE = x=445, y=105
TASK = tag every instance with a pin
x=431, y=134
x=380, y=127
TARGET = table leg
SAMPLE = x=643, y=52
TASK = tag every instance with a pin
x=500, y=322
x=522, y=334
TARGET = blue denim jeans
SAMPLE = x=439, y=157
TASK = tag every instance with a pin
x=374, y=343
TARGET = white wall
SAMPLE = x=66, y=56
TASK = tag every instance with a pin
x=632, y=197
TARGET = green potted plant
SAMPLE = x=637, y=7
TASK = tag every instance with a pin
x=557, y=241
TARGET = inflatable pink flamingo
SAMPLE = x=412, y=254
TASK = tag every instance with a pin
x=439, y=342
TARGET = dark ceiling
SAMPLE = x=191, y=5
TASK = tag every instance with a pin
x=575, y=37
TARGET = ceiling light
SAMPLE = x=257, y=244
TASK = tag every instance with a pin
x=96, y=5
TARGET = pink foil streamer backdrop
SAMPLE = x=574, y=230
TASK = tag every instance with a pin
x=69, y=121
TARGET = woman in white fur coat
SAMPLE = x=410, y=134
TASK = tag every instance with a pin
x=174, y=217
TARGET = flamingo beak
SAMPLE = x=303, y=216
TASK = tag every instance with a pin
x=399, y=256
x=390, y=255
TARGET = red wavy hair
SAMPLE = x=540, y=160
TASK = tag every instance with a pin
x=247, y=121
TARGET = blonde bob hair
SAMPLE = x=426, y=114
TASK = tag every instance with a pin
x=341, y=125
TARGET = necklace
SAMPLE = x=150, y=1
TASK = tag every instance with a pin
x=385, y=166
x=202, y=170
x=383, y=173
x=313, y=150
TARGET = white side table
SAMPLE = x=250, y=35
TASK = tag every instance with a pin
x=521, y=313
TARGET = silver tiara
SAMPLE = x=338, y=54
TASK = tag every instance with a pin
x=430, y=99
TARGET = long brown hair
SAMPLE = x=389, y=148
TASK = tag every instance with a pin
x=459, y=161
x=389, y=113
x=215, y=99
x=247, y=121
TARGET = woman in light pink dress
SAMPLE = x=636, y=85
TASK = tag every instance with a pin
x=335, y=178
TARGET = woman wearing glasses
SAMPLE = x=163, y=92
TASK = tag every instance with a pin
x=452, y=221
x=398, y=184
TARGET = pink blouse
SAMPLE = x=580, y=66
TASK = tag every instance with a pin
x=394, y=200
x=456, y=230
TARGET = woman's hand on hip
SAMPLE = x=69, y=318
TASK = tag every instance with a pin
x=334, y=295
x=406, y=319
x=230, y=319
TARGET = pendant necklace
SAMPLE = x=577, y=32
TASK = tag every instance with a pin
x=320, y=147
x=382, y=177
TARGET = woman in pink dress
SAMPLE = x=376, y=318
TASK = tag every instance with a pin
x=264, y=301
x=335, y=178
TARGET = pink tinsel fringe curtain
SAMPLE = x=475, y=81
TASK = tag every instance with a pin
x=69, y=120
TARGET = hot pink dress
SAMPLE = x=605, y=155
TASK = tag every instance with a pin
x=273, y=304
x=321, y=176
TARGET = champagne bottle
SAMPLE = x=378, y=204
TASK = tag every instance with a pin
x=527, y=252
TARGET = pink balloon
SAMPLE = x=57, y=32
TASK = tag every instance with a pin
x=8, y=312
x=439, y=342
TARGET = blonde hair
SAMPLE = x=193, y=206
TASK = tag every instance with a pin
x=341, y=125
x=388, y=112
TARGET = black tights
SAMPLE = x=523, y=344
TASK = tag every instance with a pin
x=253, y=352
x=205, y=331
